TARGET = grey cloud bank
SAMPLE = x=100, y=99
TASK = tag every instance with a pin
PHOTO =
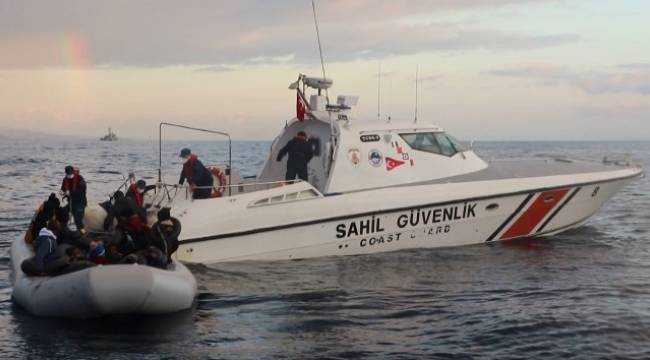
x=627, y=79
x=35, y=34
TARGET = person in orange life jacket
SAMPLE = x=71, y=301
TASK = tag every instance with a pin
x=136, y=192
x=74, y=188
x=197, y=175
x=300, y=153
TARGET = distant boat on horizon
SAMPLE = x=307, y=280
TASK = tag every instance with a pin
x=109, y=137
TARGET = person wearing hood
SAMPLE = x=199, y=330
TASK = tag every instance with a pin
x=165, y=233
x=46, y=212
x=197, y=175
x=74, y=188
x=45, y=255
x=300, y=153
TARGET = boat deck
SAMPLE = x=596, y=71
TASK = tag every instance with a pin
x=525, y=168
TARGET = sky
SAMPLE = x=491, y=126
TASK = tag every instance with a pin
x=488, y=69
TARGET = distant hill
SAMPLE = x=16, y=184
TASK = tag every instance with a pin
x=23, y=134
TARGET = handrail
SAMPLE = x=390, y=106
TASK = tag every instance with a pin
x=194, y=129
x=296, y=181
x=187, y=188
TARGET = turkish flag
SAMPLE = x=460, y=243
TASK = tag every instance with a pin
x=393, y=163
x=300, y=108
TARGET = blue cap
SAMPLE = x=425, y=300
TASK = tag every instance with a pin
x=185, y=152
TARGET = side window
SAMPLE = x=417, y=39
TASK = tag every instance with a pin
x=422, y=141
x=446, y=145
x=457, y=145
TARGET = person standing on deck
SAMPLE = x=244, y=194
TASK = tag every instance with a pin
x=300, y=153
x=74, y=188
x=197, y=175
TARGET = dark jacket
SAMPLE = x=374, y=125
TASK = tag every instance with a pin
x=166, y=242
x=300, y=152
x=44, y=249
x=196, y=173
x=77, y=188
x=124, y=206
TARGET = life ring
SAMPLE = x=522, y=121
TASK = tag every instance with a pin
x=220, y=176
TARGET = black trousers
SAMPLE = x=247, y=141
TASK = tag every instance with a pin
x=201, y=193
x=293, y=171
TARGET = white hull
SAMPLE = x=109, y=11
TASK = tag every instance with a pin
x=394, y=218
x=102, y=290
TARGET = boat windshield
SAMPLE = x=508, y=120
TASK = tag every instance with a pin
x=433, y=142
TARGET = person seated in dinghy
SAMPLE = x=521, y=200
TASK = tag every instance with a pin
x=300, y=153
x=45, y=260
x=46, y=212
x=73, y=187
x=97, y=253
x=136, y=193
x=197, y=175
x=131, y=234
x=165, y=233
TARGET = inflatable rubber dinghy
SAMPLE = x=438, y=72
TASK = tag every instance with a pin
x=98, y=291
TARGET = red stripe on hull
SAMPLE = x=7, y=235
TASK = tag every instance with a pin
x=527, y=222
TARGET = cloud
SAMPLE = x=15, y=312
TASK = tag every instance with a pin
x=591, y=82
x=151, y=33
x=641, y=66
x=215, y=68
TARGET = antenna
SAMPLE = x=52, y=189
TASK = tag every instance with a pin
x=320, y=48
x=417, y=70
x=379, y=93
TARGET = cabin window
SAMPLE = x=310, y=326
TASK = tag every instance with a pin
x=433, y=142
x=422, y=141
x=446, y=147
x=457, y=145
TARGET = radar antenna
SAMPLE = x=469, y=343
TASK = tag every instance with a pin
x=320, y=49
x=379, y=93
x=417, y=70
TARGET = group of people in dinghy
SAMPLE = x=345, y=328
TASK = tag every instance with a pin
x=128, y=238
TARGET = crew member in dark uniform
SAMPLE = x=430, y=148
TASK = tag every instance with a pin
x=300, y=153
x=74, y=188
x=197, y=175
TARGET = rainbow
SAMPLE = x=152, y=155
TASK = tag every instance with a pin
x=76, y=51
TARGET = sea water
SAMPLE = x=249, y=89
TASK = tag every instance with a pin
x=583, y=294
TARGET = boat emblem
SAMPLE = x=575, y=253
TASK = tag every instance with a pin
x=393, y=163
x=375, y=158
x=354, y=155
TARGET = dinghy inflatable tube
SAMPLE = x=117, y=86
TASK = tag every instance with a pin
x=102, y=290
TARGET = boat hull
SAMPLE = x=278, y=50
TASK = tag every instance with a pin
x=485, y=216
x=102, y=290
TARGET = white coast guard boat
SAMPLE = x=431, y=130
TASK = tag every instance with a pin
x=383, y=186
